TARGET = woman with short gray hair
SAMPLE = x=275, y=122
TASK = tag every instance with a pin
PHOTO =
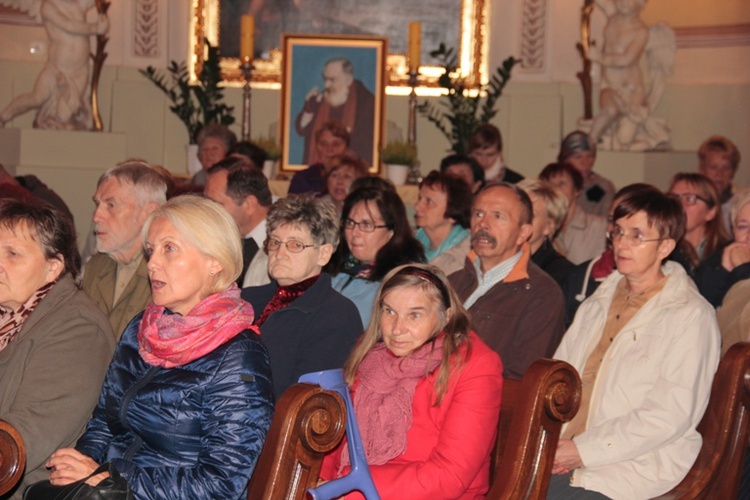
x=306, y=325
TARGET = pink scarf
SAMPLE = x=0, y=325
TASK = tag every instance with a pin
x=383, y=400
x=170, y=340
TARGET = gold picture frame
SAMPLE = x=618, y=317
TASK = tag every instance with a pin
x=469, y=24
x=305, y=89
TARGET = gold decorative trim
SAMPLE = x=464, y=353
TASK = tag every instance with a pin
x=700, y=37
x=267, y=72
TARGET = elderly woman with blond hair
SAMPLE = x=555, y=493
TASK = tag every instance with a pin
x=550, y=209
x=187, y=400
x=55, y=344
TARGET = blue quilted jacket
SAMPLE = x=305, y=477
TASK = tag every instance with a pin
x=194, y=431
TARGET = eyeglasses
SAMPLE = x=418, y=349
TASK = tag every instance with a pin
x=366, y=226
x=292, y=246
x=634, y=239
x=689, y=199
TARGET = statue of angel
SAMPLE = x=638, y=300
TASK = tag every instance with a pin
x=625, y=121
x=61, y=92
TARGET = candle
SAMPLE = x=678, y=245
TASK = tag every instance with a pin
x=247, y=37
x=415, y=45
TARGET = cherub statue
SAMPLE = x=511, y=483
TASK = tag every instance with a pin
x=61, y=92
x=625, y=121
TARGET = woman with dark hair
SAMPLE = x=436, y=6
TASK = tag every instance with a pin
x=580, y=238
x=704, y=229
x=375, y=238
x=426, y=392
x=647, y=346
x=55, y=344
x=442, y=214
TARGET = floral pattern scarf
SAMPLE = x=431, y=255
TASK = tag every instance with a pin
x=11, y=321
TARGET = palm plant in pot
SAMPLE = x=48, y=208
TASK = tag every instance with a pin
x=196, y=104
x=465, y=107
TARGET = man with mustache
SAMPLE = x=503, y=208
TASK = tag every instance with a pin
x=516, y=308
x=344, y=99
x=116, y=278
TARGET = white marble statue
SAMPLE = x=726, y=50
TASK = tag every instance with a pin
x=61, y=91
x=626, y=102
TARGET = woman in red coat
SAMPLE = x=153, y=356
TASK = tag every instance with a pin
x=426, y=393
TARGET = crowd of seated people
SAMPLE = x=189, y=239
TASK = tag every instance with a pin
x=207, y=307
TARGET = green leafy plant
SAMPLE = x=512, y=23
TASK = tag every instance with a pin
x=465, y=107
x=197, y=104
x=399, y=153
x=269, y=145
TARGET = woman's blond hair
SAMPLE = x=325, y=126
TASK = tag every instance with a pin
x=454, y=321
x=209, y=228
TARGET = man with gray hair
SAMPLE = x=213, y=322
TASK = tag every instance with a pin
x=116, y=278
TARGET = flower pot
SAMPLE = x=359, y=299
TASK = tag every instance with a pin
x=269, y=169
x=193, y=163
x=397, y=173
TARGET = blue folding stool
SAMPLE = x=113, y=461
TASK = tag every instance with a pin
x=359, y=477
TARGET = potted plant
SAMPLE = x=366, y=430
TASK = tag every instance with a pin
x=467, y=107
x=272, y=149
x=195, y=104
x=398, y=157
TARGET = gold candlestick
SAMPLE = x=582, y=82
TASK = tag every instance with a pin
x=247, y=69
x=415, y=173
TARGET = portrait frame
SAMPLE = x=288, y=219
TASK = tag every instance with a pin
x=304, y=59
x=469, y=21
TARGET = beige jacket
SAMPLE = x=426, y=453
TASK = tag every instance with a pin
x=99, y=281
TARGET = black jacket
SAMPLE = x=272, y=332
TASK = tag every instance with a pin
x=315, y=332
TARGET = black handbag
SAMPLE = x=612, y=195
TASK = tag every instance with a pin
x=112, y=488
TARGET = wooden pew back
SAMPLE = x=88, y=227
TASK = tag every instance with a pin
x=725, y=428
x=12, y=457
x=532, y=413
x=308, y=422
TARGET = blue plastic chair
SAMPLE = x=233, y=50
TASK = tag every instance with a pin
x=359, y=477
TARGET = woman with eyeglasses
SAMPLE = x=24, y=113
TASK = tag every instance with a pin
x=306, y=325
x=730, y=263
x=704, y=231
x=646, y=345
x=375, y=238
x=426, y=393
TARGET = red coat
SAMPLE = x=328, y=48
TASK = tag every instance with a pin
x=448, y=447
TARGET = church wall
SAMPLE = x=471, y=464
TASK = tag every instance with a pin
x=708, y=93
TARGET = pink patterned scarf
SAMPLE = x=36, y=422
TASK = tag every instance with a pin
x=11, y=321
x=384, y=398
x=170, y=340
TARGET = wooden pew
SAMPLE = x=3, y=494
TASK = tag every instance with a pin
x=309, y=421
x=725, y=428
x=12, y=457
x=532, y=413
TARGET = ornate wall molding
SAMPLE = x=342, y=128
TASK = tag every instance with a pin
x=146, y=28
x=533, y=35
x=694, y=37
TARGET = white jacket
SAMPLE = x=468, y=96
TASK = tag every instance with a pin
x=651, y=390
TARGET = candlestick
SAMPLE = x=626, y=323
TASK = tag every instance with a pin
x=247, y=69
x=247, y=37
x=415, y=172
x=415, y=45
